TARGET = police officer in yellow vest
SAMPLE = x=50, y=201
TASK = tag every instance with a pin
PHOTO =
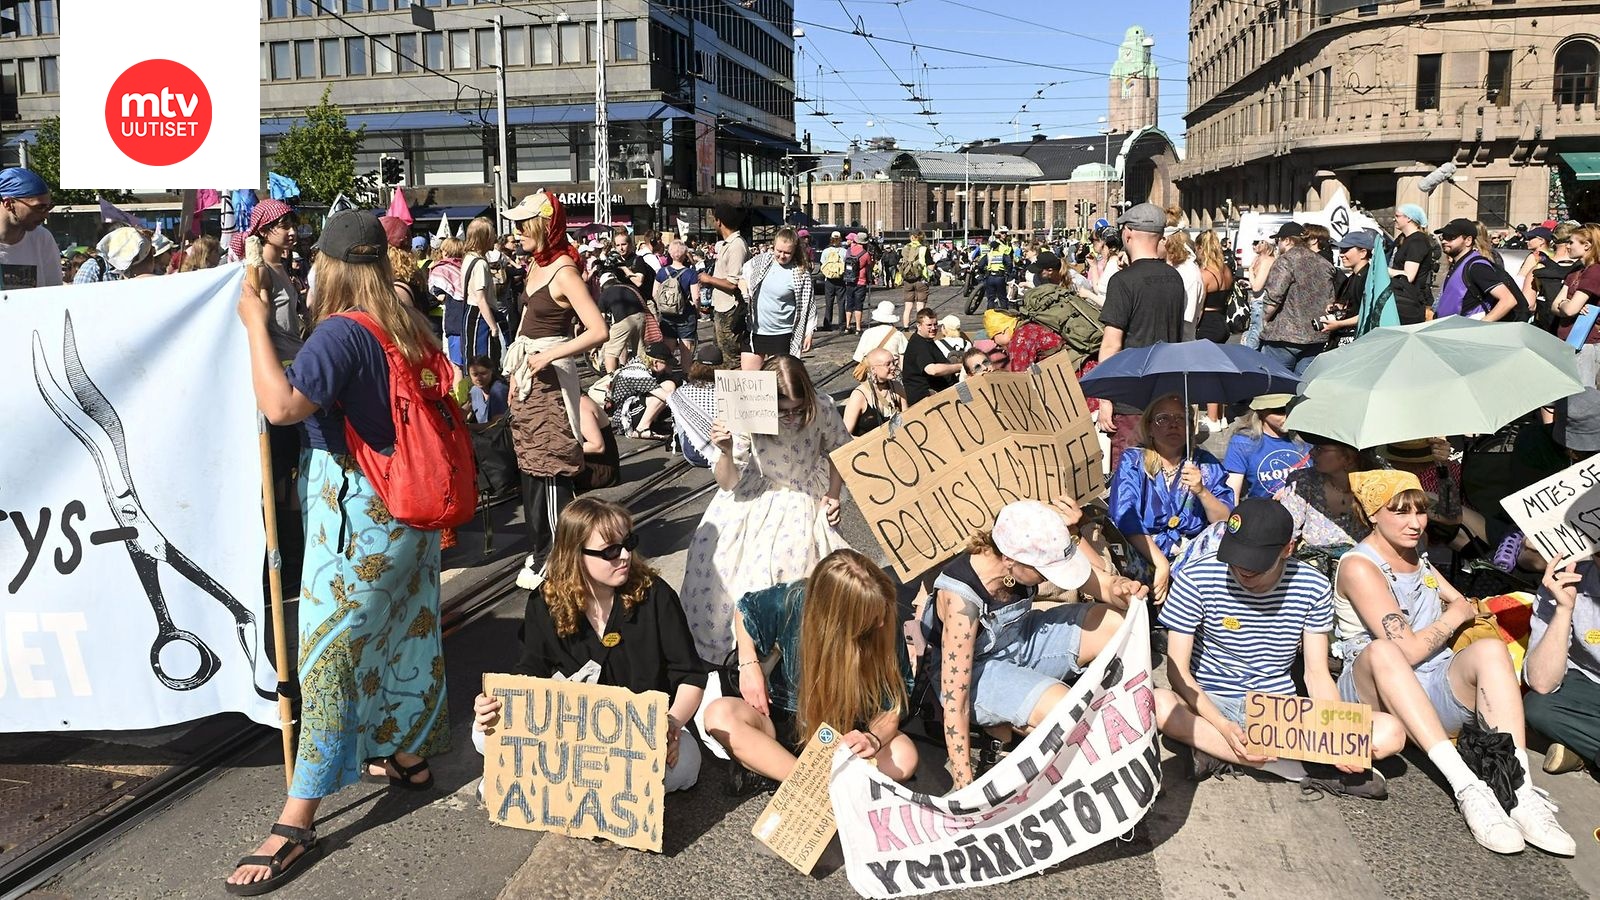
x=996, y=270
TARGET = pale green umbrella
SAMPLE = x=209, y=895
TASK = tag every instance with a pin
x=1450, y=376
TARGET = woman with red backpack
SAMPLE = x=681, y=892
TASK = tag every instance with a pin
x=371, y=665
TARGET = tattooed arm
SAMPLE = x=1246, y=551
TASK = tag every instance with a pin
x=1374, y=602
x=960, y=623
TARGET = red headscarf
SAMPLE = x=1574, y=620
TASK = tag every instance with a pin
x=556, y=244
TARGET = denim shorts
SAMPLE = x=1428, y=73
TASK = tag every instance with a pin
x=684, y=327
x=1042, y=650
x=1434, y=676
x=1232, y=708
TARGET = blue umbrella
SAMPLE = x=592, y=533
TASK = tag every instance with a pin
x=1198, y=371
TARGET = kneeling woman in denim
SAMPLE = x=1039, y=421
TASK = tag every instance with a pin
x=1002, y=662
x=839, y=660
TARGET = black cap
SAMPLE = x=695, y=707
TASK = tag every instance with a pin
x=1044, y=262
x=354, y=236
x=661, y=351
x=1459, y=228
x=1289, y=229
x=1538, y=231
x=1256, y=534
x=708, y=354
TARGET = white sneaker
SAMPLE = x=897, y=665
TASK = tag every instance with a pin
x=1488, y=822
x=531, y=578
x=1535, y=815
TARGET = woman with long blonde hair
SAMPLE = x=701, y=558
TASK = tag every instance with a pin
x=204, y=253
x=371, y=665
x=478, y=288
x=541, y=365
x=603, y=604
x=839, y=661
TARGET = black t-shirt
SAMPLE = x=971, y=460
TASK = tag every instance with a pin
x=1409, y=296
x=641, y=266
x=1549, y=275
x=921, y=353
x=1145, y=299
x=1481, y=278
x=620, y=301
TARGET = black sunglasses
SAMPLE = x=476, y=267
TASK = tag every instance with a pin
x=611, y=552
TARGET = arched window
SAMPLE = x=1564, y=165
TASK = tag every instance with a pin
x=1577, y=73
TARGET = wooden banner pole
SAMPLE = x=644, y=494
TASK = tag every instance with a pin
x=280, y=640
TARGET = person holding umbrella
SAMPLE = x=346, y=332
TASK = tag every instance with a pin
x=1161, y=496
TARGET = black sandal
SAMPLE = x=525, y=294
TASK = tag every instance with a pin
x=404, y=779
x=282, y=872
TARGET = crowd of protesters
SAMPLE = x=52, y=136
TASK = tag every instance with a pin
x=1291, y=564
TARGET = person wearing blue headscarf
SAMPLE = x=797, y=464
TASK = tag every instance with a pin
x=1415, y=262
x=29, y=255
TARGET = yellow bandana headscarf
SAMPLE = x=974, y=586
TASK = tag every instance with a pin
x=1373, y=490
x=996, y=322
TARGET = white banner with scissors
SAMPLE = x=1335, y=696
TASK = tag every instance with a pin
x=131, y=541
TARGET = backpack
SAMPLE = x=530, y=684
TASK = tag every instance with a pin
x=501, y=299
x=1476, y=301
x=833, y=263
x=911, y=264
x=430, y=481
x=852, y=267
x=670, y=300
x=1237, y=312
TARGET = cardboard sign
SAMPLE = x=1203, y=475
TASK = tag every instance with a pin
x=1561, y=514
x=798, y=822
x=747, y=402
x=961, y=454
x=581, y=760
x=1320, y=731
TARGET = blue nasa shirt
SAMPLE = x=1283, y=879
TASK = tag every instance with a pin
x=1265, y=462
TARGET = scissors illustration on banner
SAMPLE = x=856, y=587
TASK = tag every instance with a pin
x=92, y=419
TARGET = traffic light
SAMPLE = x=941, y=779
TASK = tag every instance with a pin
x=1089, y=208
x=9, y=20
x=392, y=170
x=845, y=167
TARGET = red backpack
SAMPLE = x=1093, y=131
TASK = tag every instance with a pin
x=431, y=480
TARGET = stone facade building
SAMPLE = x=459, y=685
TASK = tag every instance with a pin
x=1289, y=101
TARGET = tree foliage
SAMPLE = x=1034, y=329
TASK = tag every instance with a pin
x=44, y=158
x=320, y=154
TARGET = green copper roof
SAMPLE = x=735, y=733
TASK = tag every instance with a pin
x=1132, y=61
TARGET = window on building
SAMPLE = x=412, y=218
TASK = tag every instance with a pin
x=461, y=50
x=855, y=214
x=378, y=5
x=406, y=52
x=47, y=17
x=28, y=76
x=516, y=46
x=571, y=35
x=1428, y=81
x=452, y=158
x=50, y=75
x=543, y=154
x=1327, y=92
x=1494, y=203
x=838, y=214
x=277, y=9
x=25, y=18
x=1577, y=73
x=544, y=52
x=305, y=59
x=383, y=56
x=305, y=8
x=332, y=51
x=627, y=39
x=630, y=147
x=282, y=62
x=433, y=50
x=486, y=54
x=355, y=56
x=1037, y=216
x=355, y=6
x=1497, y=83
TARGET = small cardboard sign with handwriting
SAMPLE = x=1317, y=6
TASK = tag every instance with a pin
x=1320, y=731
x=798, y=822
x=747, y=402
x=581, y=760
x=1561, y=514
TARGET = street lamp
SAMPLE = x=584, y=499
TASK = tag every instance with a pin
x=966, y=195
x=1105, y=176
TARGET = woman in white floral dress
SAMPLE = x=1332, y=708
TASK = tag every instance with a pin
x=776, y=514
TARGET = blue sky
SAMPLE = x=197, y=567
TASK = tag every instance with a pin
x=975, y=67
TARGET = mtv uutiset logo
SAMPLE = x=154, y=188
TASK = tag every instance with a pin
x=158, y=112
x=148, y=107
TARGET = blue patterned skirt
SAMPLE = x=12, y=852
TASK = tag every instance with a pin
x=371, y=662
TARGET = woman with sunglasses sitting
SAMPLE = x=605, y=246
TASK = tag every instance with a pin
x=777, y=513
x=602, y=605
x=1159, y=498
x=833, y=644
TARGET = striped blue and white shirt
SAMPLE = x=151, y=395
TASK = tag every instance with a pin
x=1243, y=641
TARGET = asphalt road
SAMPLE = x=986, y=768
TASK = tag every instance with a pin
x=1240, y=838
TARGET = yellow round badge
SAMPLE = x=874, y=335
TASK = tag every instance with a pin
x=428, y=378
x=611, y=640
x=1592, y=636
x=1230, y=623
x=1430, y=582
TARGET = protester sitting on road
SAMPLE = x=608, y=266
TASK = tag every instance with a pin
x=1562, y=666
x=694, y=405
x=1388, y=587
x=603, y=607
x=839, y=660
x=601, y=460
x=924, y=370
x=126, y=251
x=1440, y=476
x=1263, y=452
x=543, y=372
x=951, y=338
x=776, y=513
x=1236, y=616
x=878, y=398
x=1159, y=499
x=368, y=616
x=1320, y=500
x=639, y=392
x=1000, y=662
x=975, y=362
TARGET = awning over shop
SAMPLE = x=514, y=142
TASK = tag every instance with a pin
x=630, y=111
x=1584, y=166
